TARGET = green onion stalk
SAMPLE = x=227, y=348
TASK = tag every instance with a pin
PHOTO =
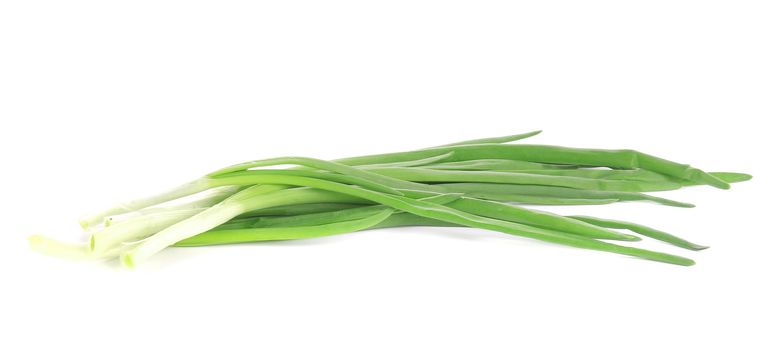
x=483, y=184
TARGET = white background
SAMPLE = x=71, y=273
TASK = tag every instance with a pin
x=104, y=101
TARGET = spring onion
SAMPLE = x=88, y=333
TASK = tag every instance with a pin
x=480, y=183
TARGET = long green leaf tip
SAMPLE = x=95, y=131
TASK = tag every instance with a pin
x=491, y=140
x=643, y=230
x=732, y=177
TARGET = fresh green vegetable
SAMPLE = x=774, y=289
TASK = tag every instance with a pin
x=477, y=183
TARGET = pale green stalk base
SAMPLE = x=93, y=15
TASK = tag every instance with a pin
x=70, y=251
x=209, y=198
x=187, y=189
x=137, y=228
x=252, y=198
x=201, y=222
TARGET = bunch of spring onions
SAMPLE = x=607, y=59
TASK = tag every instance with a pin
x=479, y=183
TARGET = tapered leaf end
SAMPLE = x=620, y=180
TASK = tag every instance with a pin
x=697, y=247
x=730, y=177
